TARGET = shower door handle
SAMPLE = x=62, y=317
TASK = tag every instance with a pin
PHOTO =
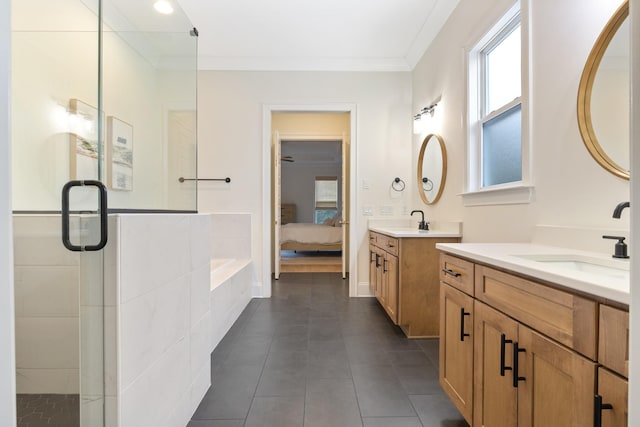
x=102, y=200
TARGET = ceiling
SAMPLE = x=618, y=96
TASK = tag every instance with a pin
x=336, y=35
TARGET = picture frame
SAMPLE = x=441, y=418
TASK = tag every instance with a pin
x=84, y=141
x=119, y=154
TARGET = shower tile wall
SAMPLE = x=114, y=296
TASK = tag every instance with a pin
x=46, y=297
x=232, y=232
x=158, y=318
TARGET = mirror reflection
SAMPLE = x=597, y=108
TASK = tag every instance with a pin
x=610, y=99
x=432, y=169
x=603, y=96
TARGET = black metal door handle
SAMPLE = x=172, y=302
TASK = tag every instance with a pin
x=102, y=192
x=598, y=407
x=516, y=375
x=384, y=266
x=462, y=316
x=503, y=343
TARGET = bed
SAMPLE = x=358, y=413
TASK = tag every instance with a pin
x=299, y=236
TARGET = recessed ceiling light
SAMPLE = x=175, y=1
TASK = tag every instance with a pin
x=163, y=6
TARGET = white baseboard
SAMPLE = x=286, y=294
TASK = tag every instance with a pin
x=363, y=290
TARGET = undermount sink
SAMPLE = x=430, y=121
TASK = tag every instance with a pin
x=582, y=263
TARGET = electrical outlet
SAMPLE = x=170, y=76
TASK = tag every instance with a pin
x=365, y=184
x=367, y=210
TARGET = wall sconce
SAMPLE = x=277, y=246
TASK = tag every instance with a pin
x=422, y=116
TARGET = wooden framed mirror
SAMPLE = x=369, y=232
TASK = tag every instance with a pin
x=432, y=168
x=603, y=96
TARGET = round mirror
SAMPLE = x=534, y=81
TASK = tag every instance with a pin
x=432, y=168
x=603, y=96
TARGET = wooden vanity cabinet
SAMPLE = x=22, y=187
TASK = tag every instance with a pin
x=457, y=333
x=403, y=276
x=534, y=351
x=610, y=402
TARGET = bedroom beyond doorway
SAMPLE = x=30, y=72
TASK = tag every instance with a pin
x=310, y=192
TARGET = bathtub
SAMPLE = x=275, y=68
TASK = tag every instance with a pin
x=231, y=284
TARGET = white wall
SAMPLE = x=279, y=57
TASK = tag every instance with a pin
x=7, y=357
x=571, y=190
x=230, y=139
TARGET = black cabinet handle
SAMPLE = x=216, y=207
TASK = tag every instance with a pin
x=377, y=260
x=503, y=343
x=462, y=316
x=451, y=272
x=598, y=407
x=102, y=192
x=516, y=376
x=384, y=266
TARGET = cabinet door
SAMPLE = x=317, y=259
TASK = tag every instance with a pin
x=612, y=390
x=557, y=384
x=495, y=398
x=372, y=269
x=390, y=269
x=456, y=348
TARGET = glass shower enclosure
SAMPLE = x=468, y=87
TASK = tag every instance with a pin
x=104, y=111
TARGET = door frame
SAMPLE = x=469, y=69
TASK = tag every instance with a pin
x=267, y=220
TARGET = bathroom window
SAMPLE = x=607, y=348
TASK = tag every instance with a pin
x=497, y=111
x=326, y=198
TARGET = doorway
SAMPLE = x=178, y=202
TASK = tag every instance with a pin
x=312, y=234
x=304, y=125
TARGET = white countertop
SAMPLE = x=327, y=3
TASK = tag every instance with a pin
x=405, y=231
x=513, y=257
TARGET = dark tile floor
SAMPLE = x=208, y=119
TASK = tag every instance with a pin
x=40, y=410
x=311, y=356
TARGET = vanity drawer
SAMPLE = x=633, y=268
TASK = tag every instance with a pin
x=384, y=242
x=613, y=343
x=564, y=317
x=457, y=273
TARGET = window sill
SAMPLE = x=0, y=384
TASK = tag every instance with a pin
x=512, y=195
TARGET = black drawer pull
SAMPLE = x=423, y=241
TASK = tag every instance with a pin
x=462, y=316
x=598, y=407
x=516, y=376
x=503, y=343
x=451, y=272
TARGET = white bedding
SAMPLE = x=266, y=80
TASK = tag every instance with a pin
x=310, y=233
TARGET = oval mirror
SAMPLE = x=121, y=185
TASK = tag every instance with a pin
x=432, y=169
x=603, y=96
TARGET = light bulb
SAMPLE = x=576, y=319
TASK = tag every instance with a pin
x=163, y=6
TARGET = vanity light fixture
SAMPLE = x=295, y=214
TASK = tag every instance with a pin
x=419, y=120
x=163, y=6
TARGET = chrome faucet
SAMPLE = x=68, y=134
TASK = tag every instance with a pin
x=618, y=210
x=422, y=225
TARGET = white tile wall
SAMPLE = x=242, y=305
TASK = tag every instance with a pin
x=46, y=287
x=231, y=234
x=157, y=321
x=162, y=316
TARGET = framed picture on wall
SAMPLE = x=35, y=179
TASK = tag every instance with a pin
x=84, y=151
x=119, y=154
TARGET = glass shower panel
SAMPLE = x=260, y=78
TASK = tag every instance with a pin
x=57, y=137
x=149, y=93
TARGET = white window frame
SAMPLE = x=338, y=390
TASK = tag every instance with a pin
x=512, y=192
